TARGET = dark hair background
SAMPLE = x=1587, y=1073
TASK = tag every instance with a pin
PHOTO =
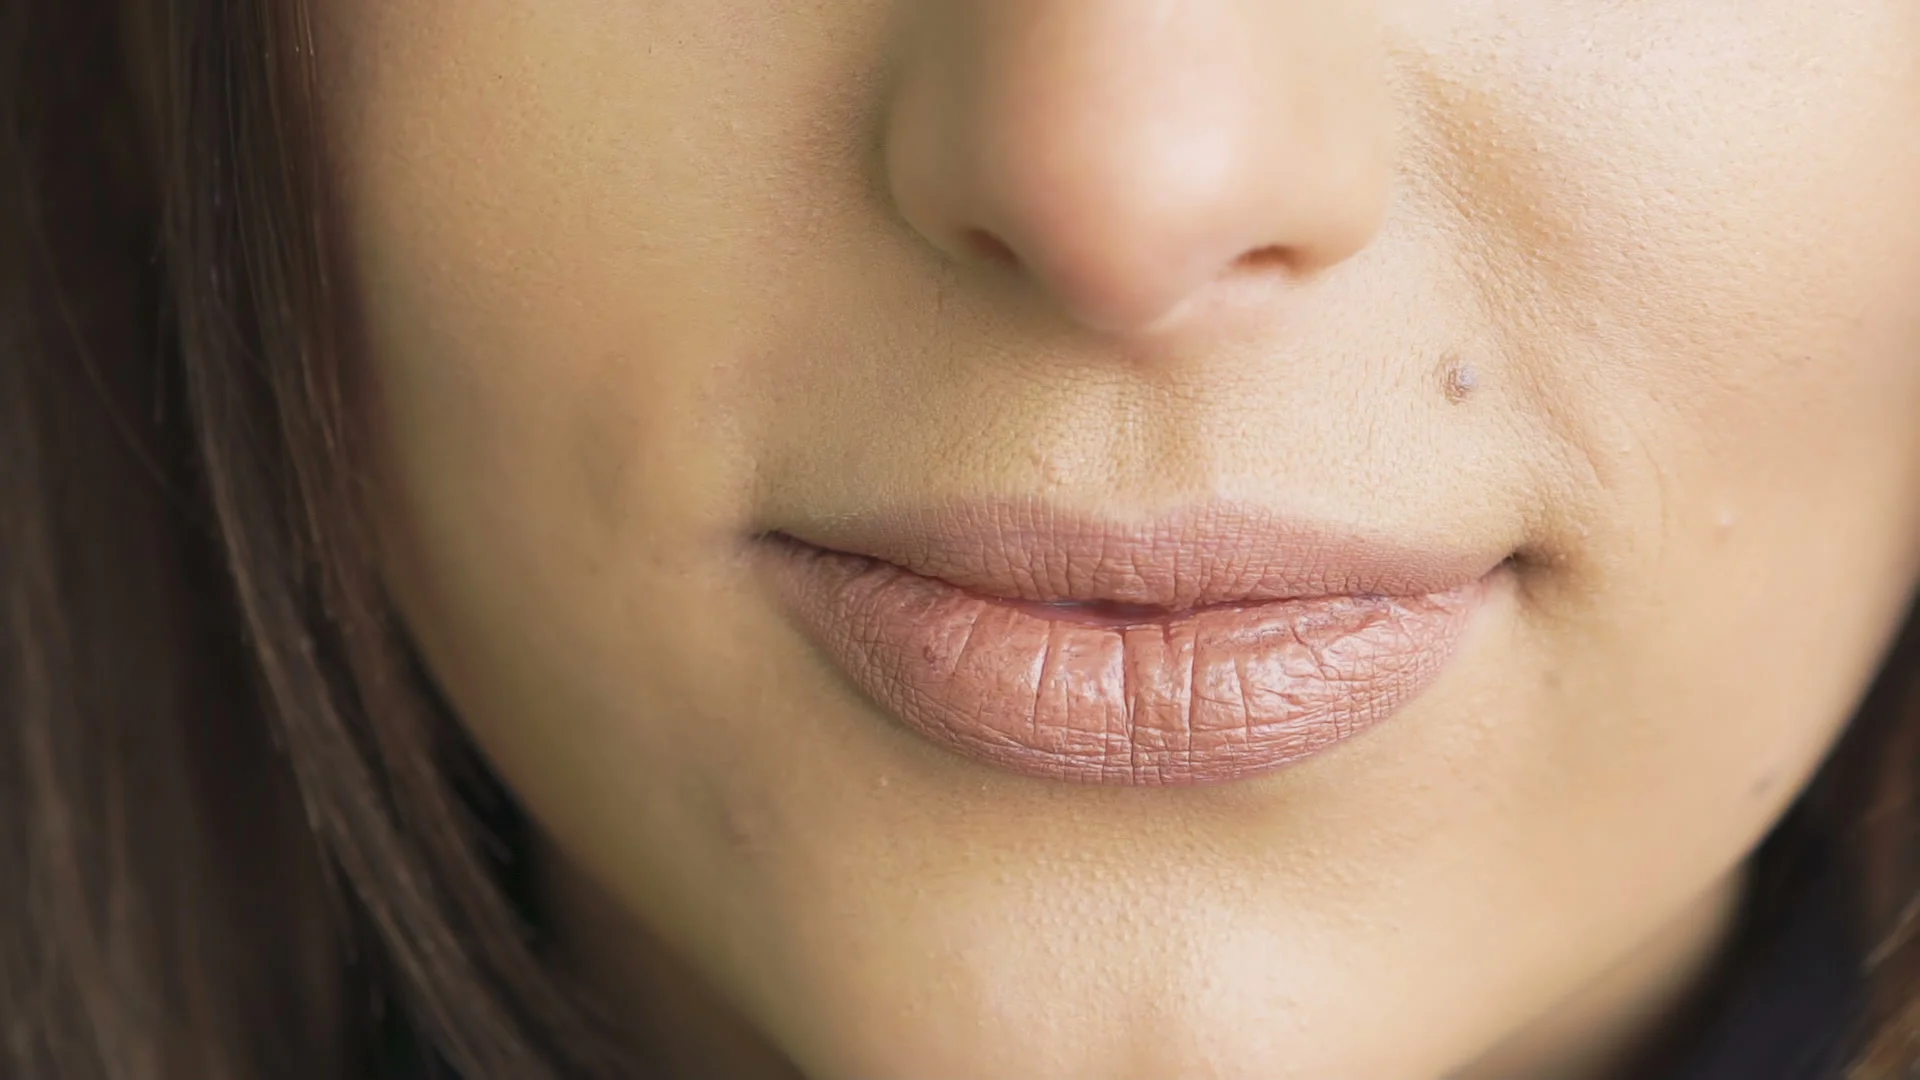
x=233, y=845
x=238, y=836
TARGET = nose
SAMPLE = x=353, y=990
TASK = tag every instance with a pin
x=1127, y=156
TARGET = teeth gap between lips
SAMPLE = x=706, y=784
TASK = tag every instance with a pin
x=1117, y=613
x=1109, y=609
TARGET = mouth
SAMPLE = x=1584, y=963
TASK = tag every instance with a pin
x=1206, y=646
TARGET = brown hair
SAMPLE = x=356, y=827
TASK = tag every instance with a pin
x=234, y=846
x=238, y=836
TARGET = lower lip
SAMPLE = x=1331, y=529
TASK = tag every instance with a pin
x=1119, y=697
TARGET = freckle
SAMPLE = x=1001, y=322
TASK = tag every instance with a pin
x=1462, y=380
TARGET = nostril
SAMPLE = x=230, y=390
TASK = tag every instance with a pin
x=1273, y=256
x=987, y=246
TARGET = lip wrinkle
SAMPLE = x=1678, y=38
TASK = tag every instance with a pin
x=1197, y=696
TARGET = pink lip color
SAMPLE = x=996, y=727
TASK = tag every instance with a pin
x=1198, y=648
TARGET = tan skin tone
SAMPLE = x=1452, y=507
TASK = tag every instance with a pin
x=1625, y=288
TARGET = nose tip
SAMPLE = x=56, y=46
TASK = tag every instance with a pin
x=1124, y=164
x=1132, y=250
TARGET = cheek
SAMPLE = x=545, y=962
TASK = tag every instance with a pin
x=564, y=456
x=1709, y=298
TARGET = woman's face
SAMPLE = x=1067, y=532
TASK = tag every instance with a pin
x=1615, y=302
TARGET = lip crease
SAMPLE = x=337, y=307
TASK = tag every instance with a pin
x=1208, y=645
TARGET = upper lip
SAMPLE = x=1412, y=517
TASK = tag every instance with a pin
x=1195, y=556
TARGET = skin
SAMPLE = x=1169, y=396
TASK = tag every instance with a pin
x=1626, y=288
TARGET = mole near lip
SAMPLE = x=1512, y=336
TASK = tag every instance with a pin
x=1196, y=648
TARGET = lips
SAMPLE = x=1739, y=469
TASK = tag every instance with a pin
x=1201, y=647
